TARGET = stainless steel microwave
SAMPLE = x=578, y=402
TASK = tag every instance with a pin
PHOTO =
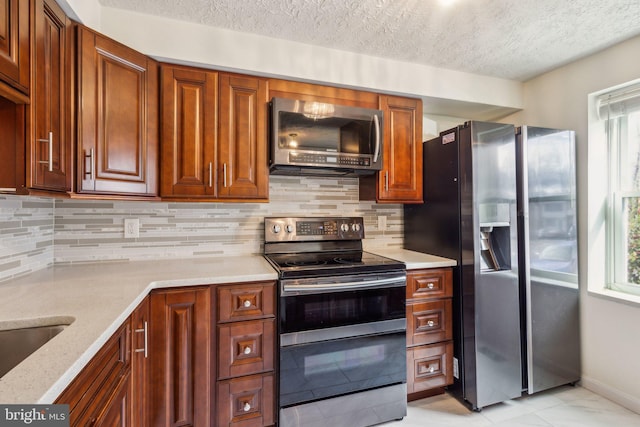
x=314, y=138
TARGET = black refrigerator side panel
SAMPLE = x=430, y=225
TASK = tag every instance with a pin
x=433, y=226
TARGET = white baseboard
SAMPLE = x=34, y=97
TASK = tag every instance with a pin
x=623, y=399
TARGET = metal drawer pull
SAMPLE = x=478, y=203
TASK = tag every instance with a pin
x=432, y=369
x=386, y=181
x=247, y=350
x=50, y=142
x=247, y=303
x=146, y=336
x=246, y=407
x=430, y=323
x=430, y=285
x=210, y=174
x=224, y=175
x=91, y=165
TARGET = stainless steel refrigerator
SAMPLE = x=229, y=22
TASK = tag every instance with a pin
x=548, y=255
x=470, y=214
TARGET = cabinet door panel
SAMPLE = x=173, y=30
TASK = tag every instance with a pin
x=429, y=367
x=180, y=347
x=400, y=180
x=117, y=118
x=188, y=131
x=429, y=322
x=14, y=43
x=50, y=159
x=246, y=402
x=430, y=283
x=242, y=163
x=245, y=348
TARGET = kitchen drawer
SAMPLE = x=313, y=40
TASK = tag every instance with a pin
x=246, y=401
x=245, y=348
x=430, y=283
x=246, y=301
x=429, y=367
x=429, y=322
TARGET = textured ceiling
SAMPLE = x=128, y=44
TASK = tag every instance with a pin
x=513, y=39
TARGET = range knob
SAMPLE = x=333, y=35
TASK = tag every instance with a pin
x=355, y=227
x=276, y=228
x=289, y=228
x=344, y=227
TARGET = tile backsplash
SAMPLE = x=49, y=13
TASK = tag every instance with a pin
x=37, y=232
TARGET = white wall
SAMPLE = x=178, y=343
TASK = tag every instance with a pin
x=182, y=42
x=610, y=329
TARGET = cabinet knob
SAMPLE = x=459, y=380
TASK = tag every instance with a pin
x=246, y=407
x=432, y=369
x=430, y=323
x=247, y=303
x=430, y=285
x=247, y=350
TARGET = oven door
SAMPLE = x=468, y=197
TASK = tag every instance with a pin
x=333, y=367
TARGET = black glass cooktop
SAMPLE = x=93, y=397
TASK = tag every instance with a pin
x=329, y=263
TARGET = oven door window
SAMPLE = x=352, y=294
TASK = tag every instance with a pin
x=324, y=369
x=327, y=310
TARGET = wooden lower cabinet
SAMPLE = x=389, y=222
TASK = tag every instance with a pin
x=180, y=346
x=429, y=331
x=101, y=394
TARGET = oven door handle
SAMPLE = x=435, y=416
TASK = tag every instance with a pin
x=324, y=287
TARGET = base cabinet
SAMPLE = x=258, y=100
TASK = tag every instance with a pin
x=429, y=331
x=101, y=394
x=181, y=353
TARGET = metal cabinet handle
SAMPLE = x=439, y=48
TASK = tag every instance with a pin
x=210, y=174
x=432, y=369
x=91, y=171
x=430, y=285
x=50, y=142
x=246, y=407
x=224, y=175
x=430, y=323
x=146, y=338
x=386, y=180
x=246, y=303
x=247, y=350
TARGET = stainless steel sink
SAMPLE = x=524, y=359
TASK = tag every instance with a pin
x=17, y=344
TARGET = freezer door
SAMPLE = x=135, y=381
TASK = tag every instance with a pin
x=494, y=300
x=549, y=256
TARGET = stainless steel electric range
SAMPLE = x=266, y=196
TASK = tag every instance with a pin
x=342, y=325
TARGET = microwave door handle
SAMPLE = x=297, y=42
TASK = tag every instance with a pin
x=376, y=152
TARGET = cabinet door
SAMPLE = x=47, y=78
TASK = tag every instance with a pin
x=189, y=118
x=140, y=364
x=242, y=147
x=181, y=348
x=400, y=180
x=117, y=118
x=14, y=43
x=117, y=412
x=50, y=147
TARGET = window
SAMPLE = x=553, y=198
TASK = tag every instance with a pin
x=618, y=113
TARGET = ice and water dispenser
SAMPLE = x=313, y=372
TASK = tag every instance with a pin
x=495, y=236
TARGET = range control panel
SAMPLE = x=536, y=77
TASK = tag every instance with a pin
x=309, y=229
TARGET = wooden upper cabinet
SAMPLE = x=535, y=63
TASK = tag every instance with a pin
x=189, y=129
x=14, y=43
x=243, y=143
x=49, y=165
x=117, y=118
x=400, y=180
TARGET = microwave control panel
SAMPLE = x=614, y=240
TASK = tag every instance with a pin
x=328, y=159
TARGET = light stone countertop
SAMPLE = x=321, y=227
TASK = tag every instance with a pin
x=98, y=298
x=413, y=260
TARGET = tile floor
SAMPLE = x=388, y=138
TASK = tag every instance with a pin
x=562, y=407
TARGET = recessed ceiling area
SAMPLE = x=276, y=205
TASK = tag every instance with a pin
x=509, y=39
